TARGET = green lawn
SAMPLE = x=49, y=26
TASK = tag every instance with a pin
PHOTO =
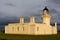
x=29, y=37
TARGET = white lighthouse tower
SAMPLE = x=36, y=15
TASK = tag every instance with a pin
x=46, y=17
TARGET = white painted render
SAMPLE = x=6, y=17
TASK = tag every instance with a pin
x=32, y=28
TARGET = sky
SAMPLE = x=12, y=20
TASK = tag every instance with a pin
x=11, y=10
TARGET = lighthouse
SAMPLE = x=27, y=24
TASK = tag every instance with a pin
x=46, y=17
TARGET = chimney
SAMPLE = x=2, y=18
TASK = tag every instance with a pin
x=21, y=19
x=32, y=19
x=55, y=24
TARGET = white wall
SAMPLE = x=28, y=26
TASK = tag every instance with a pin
x=35, y=29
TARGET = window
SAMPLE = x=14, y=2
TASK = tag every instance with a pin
x=12, y=28
x=23, y=28
x=37, y=28
x=18, y=28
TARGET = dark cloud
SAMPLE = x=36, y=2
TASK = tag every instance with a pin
x=17, y=8
x=55, y=1
x=54, y=11
x=9, y=4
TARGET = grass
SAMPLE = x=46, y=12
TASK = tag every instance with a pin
x=29, y=37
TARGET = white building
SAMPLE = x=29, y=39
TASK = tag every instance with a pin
x=33, y=28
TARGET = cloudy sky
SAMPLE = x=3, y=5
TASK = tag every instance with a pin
x=13, y=9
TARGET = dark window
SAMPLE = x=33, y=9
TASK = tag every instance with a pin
x=12, y=28
x=18, y=28
x=23, y=28
x=37, y=28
